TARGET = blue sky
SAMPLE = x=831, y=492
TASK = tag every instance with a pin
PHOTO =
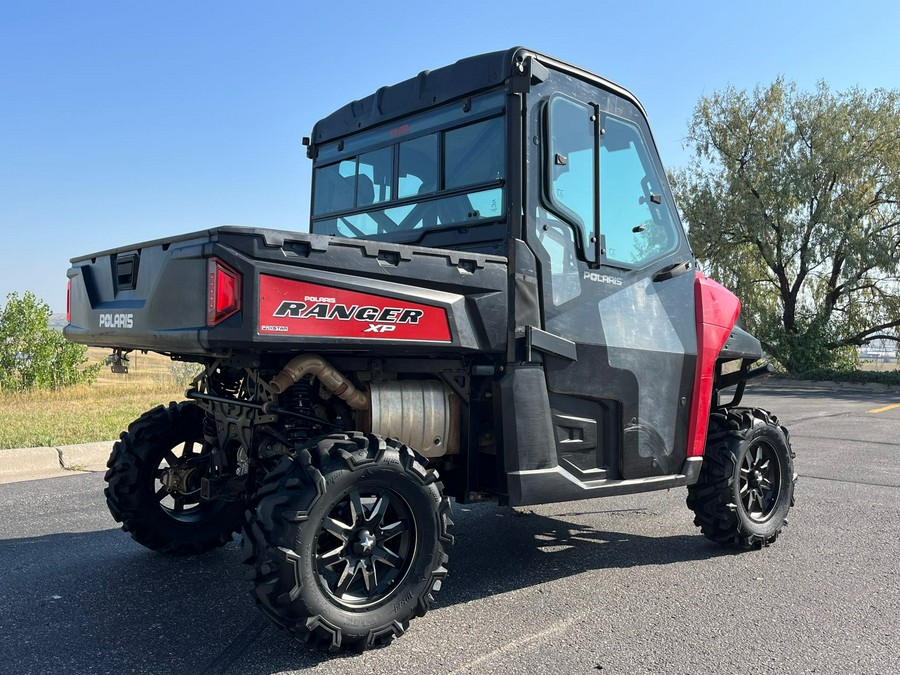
x=126, y=121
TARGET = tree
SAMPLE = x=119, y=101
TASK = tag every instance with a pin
x=33, y=355
x=791, y=199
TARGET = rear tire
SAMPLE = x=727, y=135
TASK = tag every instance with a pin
x=348, y=541
x=746, y=485
x=176, y=522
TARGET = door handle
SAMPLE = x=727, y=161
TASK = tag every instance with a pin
x=672, y=271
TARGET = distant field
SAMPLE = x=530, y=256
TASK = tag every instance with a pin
x=878, y=365
x=96, y=413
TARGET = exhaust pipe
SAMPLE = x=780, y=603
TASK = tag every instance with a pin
x=313, y=364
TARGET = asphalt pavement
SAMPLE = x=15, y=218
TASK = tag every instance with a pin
x=616, y=585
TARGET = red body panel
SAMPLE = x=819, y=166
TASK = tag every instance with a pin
x=291, y=307
x=717, y=310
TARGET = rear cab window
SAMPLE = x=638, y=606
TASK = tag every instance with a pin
x=443, y=168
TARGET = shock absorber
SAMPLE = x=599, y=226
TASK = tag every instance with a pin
x=226, y=382
x=300, y=397
x=211, y=439
x=210, y=434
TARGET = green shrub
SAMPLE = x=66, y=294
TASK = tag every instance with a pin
x=184, y=372
x=32, y=354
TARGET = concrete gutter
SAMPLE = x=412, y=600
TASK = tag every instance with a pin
x=29, y=463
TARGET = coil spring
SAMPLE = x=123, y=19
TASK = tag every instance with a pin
x=210, y=432
x=225, y=382
x=300, y=397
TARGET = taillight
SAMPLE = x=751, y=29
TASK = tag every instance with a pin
x=223, y=292
x=69, y=301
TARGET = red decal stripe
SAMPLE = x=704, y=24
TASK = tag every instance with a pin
x=716, y=309
x=291, y=307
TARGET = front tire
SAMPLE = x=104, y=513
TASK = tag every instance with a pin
x=348, y=541
x=167, y=443
x=746, y=485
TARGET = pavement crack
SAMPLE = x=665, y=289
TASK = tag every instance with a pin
x=816, y=418
x=233, y=651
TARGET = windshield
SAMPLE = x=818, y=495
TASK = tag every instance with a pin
x=443, y=168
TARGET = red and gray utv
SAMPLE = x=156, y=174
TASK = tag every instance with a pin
x=495, y=287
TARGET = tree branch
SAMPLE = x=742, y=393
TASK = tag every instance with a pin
x=863, y=336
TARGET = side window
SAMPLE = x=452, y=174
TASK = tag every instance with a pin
x=448, y=173
x=335, y=187
x=418, y=166
x=571, y=163
x=474, y=154
x=565, y=282
x=373, y=183
x=635, y=220
x=359, y=225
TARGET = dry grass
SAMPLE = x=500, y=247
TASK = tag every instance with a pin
x=880, y=365
x=90, y=413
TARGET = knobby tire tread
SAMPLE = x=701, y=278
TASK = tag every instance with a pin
x=128, y=504
x=288, y=493
x=712, y=497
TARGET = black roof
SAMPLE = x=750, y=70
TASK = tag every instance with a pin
x=434, y=87
x=427, y=89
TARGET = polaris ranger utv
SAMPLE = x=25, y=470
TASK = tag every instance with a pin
x=496, y=286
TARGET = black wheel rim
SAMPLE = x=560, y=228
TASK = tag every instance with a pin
x=760, y=481
x=364, y=547
x=183, y=503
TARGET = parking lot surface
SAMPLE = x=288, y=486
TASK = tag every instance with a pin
x=615, y=585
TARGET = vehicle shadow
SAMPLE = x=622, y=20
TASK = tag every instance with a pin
x=98, y=602
x=499, y=549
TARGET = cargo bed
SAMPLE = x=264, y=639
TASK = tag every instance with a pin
x=212, y=292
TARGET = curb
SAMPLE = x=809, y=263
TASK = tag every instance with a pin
x=28, y=460
x=80, y=457
x=85, y=456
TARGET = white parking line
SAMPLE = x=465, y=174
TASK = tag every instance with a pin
x=515, y=645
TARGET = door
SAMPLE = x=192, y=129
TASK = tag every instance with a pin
x=616, y=279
